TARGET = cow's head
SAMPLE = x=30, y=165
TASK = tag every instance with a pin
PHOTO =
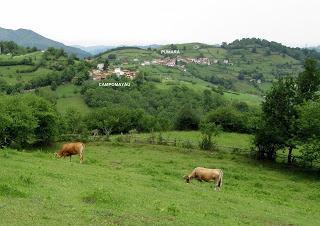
x=57, y=155
x=187, y=178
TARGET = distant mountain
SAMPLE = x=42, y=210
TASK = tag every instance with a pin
x=153, y=46
x=94, y=50
x=316, y=48
x=28, y=38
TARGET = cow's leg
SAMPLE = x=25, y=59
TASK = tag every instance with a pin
x=70, y=157
x=81, y=155
x=216, y=183
x=81, y=158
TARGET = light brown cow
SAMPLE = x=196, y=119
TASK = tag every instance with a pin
x=208, y=175
x=71, y=149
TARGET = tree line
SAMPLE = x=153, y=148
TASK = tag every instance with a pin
x=10, y=47
x=253, y=43
x=290, y=118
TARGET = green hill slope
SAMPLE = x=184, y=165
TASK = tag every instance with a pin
x=143, y=185
x=243, y=70
x=244, y=66
x=28, y=38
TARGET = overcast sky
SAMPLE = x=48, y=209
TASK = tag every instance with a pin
x=101, y=22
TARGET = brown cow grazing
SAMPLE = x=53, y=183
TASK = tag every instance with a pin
x=71, y=149
x=204, y=174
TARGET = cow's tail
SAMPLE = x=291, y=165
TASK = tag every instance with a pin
x=220, y=179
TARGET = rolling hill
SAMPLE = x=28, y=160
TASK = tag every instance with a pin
x=244, y=66
x=130, y=184
x=243, y=70
x=316, y=48
x=28, y=38
x=94, y=50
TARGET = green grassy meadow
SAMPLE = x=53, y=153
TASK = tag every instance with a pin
x=131, y=184
x=224, y=139
x=69, y=97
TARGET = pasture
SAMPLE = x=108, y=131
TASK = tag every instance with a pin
x=131, y=184
x=224, y=139
x=69, y=97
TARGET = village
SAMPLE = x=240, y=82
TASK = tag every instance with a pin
x=179, y=62
x=100, y=74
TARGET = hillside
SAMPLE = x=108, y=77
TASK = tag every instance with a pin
x=94, y=50
x=242, y=71
x=316, y=48
x=245, y=66
x=28, y=38
x=128, y=184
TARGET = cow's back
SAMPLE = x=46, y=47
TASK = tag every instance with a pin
x=72, y=148
x=206, y=174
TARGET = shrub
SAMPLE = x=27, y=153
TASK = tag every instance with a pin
x=27, y=121
x=310, y=152
x=187, y=119
x=187, y=144
x=208, y=130
x=232, y=120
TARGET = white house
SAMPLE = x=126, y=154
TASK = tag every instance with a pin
x=100, y=67
x=118, y=72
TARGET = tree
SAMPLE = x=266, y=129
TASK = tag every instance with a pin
x=47, y=94
x=278, y=125
x=139, y=79
x=173, y=47
x=228, y=118
x=208, y=130
x=73, y=122
x=309, y=80
x=309, y=120
x=286, y=119
x=112, y=56
x=187, y=119
x=207, y=100
x=241, y=106
x=5, y=123
x=47, y=119
x=268, y=52
x=116, y=120
x=106, y=65
x=27, y=121
x=54, y=86
x=309, y=131
x=241, y=76
x=310, y=151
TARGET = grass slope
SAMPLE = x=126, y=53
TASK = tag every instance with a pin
x=69, y=97
x=142, y=185
x=232, y=140
x=262, y=62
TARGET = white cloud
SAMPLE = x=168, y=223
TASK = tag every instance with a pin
x=94, y=22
